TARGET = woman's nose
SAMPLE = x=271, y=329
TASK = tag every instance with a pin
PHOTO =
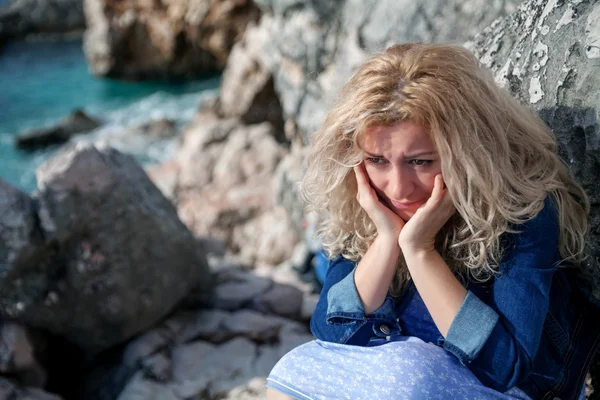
x=401, y=184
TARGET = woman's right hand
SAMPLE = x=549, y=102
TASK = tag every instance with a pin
x=388, y=223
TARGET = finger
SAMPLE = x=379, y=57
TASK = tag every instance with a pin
x=436, y=194
x=363, y=187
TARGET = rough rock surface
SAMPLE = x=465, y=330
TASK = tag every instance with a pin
x=310, y=48
x=19, y=233
x=113, y=254
x=75, y=123
x=19, y=18
x=547, y=54
x=137, y=39
x=247, y=90
x=224, y=352
x=221, y=181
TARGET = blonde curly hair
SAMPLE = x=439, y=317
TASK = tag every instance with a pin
x=498, y=158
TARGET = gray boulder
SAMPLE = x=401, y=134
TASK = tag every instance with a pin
x=115, y=258
x=75, y=123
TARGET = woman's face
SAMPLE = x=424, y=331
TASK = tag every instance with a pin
x=401, y=162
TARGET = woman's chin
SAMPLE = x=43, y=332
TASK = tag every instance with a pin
x=404, y=214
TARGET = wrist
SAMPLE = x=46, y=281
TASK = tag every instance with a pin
x=418, y=254
x=416, y=247
x=387, y=242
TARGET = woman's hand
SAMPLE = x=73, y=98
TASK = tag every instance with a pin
x=420, y=231
x=388, y=223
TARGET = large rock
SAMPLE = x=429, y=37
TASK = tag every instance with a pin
x=310, y=48
x=548, y=55
x=138, y=39
x=207, y=353
x=224, y=188
x=20, y=18
x=116, y=258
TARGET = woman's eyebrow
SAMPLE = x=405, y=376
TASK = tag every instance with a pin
x=424, y=153
x=372, y=154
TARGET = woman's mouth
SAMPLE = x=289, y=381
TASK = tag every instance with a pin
x=405, y=206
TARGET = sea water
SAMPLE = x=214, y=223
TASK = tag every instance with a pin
x=42, y=82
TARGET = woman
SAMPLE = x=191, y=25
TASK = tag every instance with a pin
x=453, y=230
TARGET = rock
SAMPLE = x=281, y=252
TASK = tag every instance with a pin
x=284, y=300
x=224, y=188
x=309, y=304
x=165, y=177
x=201, y=144
x=146, y=345
x=255, y=389
x=252, y=325
x=158, y=367
x=141, y=388
x=75, y=123
x=287, y=178
x=17, y=357
x=16, y=353
x=12, y=391
x=159, y=129
x=213, y=371
x=544, y=54
x=139, y=39
x=310, y=48
x=48, y=18
x=547, y=54
x=287, y=274
x=116, y=260
x=268, y=239
x=249, y=155
x=237, y=289
x=247, y=90
x=19, y=233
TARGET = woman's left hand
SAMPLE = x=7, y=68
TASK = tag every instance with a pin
x=420, y=231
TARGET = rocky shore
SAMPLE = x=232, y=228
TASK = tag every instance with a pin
x=42, y=18
x=178, y=282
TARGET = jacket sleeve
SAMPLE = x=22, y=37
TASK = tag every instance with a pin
x=340, y=316
x=498, y=339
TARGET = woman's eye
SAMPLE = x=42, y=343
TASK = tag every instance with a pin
x=420, y=163
x=375, y=160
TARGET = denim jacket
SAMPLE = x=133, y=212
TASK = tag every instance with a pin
x=530, y=327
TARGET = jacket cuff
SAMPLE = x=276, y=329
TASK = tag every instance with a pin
x=344, y=306
x=470, y=329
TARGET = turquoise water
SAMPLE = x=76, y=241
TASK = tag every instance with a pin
x=42, y=82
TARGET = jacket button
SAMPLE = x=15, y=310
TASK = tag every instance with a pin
x=384, y=329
